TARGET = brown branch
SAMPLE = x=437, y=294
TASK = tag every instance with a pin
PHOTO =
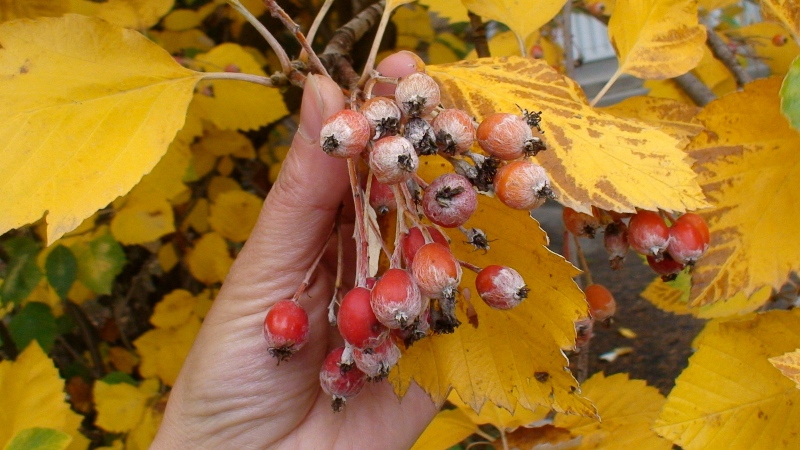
x=566, y=27
x=479, y=35
x=314, y=63
x=700, y=94
x=336, y=56
x=723, y=53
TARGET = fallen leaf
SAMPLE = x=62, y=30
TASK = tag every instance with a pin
x=174, y=309
x=234, y=213
x=593, y=158
x=730, y=396
x=119, y=406
x=143, y=218
x=40, y=439
x=136, y=14
x=71, y=145
x=163, y=350
x=209, y=260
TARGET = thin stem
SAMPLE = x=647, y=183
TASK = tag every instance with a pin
x=606, y=88
x=479, y=35
x=400, y=227
x=470, y=266
x=257, y=79
x=503, y=437
x=314, y=64
x=360, y=231
x=521, y=44
x=566, y=29
x=310, y=272
x=312, y=32
x=700, y=94
x=337, y=286
x=584, y=264
x=286, y=63
x=376, y=43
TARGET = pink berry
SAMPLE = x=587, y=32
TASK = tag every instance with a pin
x=357, y=322
x=615, y=240
x=648, y=234
x=381, y=197
x=393, y=160
x=344, y=134
x=377, y=363
x=411, y=242
x=455, y=131
x=338, y=382
x=449, y=200
x=286, y=329
x=436, y=271
x=396, y=299
x=522, y=185
x=501, y=287
x=417, y=94
x=383, y=116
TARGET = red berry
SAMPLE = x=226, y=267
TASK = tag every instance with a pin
x=584, y=332
x=699, y=224
x=615, y=240
x=393, y=159
x=449, y=200
x=357, y=322
x=396, y=299
x=286, y=329
x=381, y=197
x=522, y=185
x=602, y=305
x=536, y=52
x=454, y=131
x=436, y=271
x=648, y=234
x=779, y=40
x=344, y=134
x=383, y=116
x=501, y=287
x=686, y=243
x=377, y=363
x=411, y=242
x=580, y=224
x=508, y=136
x=417, y=94
x=667, y=267
x=339, y=383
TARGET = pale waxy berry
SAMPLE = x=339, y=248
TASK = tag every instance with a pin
x=286, y=329
x=436, y=271
x=344, y=134
x=501, y=287
x=393, y=159
x=508, y=136
x=583, y=332
x=339, y=382
x=357, y=322
x=667, y=267
x=602, y=305
x=648, y=234
x=522, y=185
x=411, y=241
x=687, y=243
x=377, y=362
x=417, y=94
x=580, y=224
x=454, y=130
x=417, y=330
x=383, y=116
x=449, y=200
x=420, y=133
x=396, y=299
x=615, y=240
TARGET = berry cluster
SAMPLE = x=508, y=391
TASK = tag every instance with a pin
x=383, y=139
x=668, y=248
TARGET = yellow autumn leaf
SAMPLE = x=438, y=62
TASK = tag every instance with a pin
x=33, y=397
x=413, y=26
x=673, y=117
x=232, y=104
x=198, y=217
x=219, y=142
x=210, y=260
x=165, y=181
x=593, y=158
x=746, y=163
x=31, y=9
x=119, y=406
x=143, y=434
x=176, y=41
x=122, y=359
x=777, y=57
x=730, y=396
x=167, y=256
x=511, y=358
x=186, y=19
x=452, y=10
x=163, y=350
x=144, y=218
x=174, y=309
x=789, y=365
x=448, y=428
x=627, y=410
x=234, y=213
x=500, y=418
x=220, y=185
x=522, y=16
x=656, y=38
x=787, y=11
x=71, y=144
x=136, y=14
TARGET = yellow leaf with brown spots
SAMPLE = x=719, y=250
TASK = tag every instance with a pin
x=593, y=158
x=747, y=162
x=789, y=365
x=787, y=11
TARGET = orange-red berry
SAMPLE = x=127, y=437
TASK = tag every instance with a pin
x=602, y=305
x=344, y=134
x=648, y=234
x=286, y=329
x=339, y=382
x=522, y=185
x=436, y=271
x=580, y=224
x=501, y=287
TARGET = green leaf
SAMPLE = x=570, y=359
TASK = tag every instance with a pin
x=62, y=270
x=99, y=262
x=34, y=321
x=22, y=274
x=118, y=377
x=790, y=94
x=40, y=439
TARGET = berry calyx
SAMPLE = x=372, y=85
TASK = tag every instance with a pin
x=340, y=384
x=396, y=299
x=648, y=234
x=580, y=224
x=508, y=136
x=436, y=271
x=501, y=287
x=286, y=329
x=420, y=133
x=357, y=322
x=417, y=94
x=602, y=305
x=383, y=116
x=393, y=159
x=344, y=134
x=522, y=185
x=449, y=200
x=615, y=240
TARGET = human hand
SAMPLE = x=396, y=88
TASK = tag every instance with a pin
x=230, y=393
